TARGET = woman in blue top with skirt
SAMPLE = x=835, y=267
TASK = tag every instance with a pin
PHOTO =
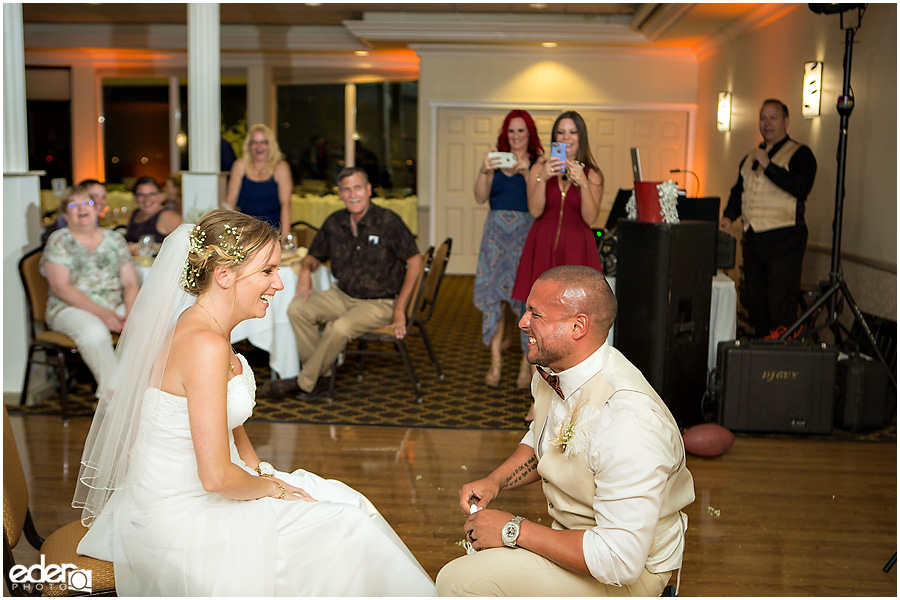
x=505, y=230
x=260, y=184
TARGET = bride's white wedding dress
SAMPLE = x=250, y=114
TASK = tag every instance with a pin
x=169, y=537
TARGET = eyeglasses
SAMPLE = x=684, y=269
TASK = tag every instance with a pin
x=259, y=142
x=79, y=204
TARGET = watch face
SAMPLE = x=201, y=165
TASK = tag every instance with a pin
x=509, y=533
x=266, y=469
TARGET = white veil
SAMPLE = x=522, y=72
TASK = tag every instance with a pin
x=143, y=346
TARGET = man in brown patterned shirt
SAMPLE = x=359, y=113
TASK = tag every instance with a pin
x=376, y=262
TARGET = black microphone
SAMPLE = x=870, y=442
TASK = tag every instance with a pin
x=762, y=146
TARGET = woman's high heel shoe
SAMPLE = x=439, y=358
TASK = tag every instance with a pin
x=492, y=379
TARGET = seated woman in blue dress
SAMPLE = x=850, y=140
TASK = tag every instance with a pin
x=260, y=184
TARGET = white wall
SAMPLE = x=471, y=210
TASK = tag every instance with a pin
x=543, y=79
x=768, y=62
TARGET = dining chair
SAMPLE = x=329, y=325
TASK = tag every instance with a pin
x=304, y=233
x=50, y=343
x=384, y=336
x=86, y=575
x=425, y=307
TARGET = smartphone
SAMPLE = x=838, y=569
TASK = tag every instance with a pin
x=507, y=160
x=558, y=149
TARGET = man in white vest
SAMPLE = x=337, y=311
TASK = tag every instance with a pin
x=770, y=194
x=607, y=452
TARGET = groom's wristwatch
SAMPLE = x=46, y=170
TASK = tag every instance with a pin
x=265, y=469
x=510, y=533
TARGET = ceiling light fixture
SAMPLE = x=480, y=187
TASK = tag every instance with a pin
x=548, y=44
x=361, y=52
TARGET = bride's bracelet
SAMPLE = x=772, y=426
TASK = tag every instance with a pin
x=281, y=491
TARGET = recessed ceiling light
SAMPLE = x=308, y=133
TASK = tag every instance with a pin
x=537, y=6
x=361, y=52
x=548, y=44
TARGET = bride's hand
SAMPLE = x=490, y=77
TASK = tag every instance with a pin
x=292, y=493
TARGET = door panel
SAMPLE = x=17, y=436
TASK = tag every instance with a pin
x=465, y=134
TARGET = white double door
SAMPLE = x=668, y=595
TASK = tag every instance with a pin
x=465, y=134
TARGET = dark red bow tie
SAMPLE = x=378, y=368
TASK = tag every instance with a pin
x=552, y=380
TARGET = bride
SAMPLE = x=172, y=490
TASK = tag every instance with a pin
x=170, y=486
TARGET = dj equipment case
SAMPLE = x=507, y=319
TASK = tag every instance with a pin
x=776, y=387
x=865, y=401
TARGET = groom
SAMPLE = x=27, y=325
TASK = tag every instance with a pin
x=605, y=449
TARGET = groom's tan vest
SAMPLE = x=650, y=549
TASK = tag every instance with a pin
x=569, y=484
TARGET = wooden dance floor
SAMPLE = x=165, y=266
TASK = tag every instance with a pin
x=773, y=517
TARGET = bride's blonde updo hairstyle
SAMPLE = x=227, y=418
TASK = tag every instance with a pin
x=223, y=238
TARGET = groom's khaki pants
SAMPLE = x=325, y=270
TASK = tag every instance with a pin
x=346, y=317
x=519, y=572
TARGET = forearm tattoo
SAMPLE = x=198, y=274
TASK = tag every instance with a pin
x=520, y=473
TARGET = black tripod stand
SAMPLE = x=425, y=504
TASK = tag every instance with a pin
x=837, y=287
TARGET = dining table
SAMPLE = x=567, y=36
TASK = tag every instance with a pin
x=273, y=332
x=309, y=207
x=315, y=208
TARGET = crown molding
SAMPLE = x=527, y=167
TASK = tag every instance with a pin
x=532, y=52
x=662, y=17
x=493, y=29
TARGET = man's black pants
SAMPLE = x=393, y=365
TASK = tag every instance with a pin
x=773, y=264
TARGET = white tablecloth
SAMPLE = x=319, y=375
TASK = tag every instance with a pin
x=273, y=332
x=315, y=209
x=722, y=314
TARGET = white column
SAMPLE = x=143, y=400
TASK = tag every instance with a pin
x=350, y=124
x=200, y=185
x=21, y=200
x=174, y=124
x=260, y=96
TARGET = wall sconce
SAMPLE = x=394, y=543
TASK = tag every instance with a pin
x=812, y=88
x=723, y=113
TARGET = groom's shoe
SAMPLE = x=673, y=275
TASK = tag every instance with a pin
x=279, y=388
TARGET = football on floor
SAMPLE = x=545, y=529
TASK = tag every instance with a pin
x=708, y=440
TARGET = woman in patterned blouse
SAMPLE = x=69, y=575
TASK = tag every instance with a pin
x=93, y=282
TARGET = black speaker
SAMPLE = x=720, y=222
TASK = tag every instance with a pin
x=663, y=287
x=776, y=387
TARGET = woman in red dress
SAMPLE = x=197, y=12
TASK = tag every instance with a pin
x=564, y=197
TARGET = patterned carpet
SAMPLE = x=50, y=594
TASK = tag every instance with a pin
x=385, y=395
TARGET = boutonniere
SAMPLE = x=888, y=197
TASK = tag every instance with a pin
x=570, y=435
